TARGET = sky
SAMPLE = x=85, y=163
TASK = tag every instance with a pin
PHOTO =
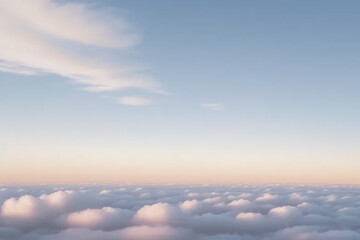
x=164, y=92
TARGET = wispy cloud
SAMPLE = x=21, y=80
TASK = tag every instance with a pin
x=48, y=37
x=135, y=101
x=212, y=106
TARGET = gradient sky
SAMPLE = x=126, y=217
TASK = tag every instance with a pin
x=180, y=91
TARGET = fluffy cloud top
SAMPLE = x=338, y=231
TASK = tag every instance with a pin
x=158, y=214
x=25, y=207
x=106, y=218
x=162, y=213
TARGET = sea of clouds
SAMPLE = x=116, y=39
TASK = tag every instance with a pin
x=270, y=212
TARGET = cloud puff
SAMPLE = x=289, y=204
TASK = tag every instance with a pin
x=286, y=211
x=267, y=197
x=250, y=216
x=106, y=218
x=65, y=38
x=193, y=206
x=25, y=207
x=180, y=212
x=158, y=214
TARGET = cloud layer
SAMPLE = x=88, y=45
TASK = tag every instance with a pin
x=71, y=40
x=180, y=212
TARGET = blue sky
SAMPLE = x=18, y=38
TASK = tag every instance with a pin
x=283, y=76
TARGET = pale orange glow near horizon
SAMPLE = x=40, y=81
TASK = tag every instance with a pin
x=30, y=164
x=136, y=172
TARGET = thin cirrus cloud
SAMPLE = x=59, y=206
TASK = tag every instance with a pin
x=134, y=101
x=41, y=37
x=212, y=106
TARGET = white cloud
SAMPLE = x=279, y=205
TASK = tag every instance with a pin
x=64, y=38
x=158, y=214
x=266, y=197
x=25, y=207
x=106, y=218
x=239, y=202
x=105, y=192
x=71, y=22
x=249, y=216
x=191, y=205
x=135, y=101
x=215, y=213
x=212, y=106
